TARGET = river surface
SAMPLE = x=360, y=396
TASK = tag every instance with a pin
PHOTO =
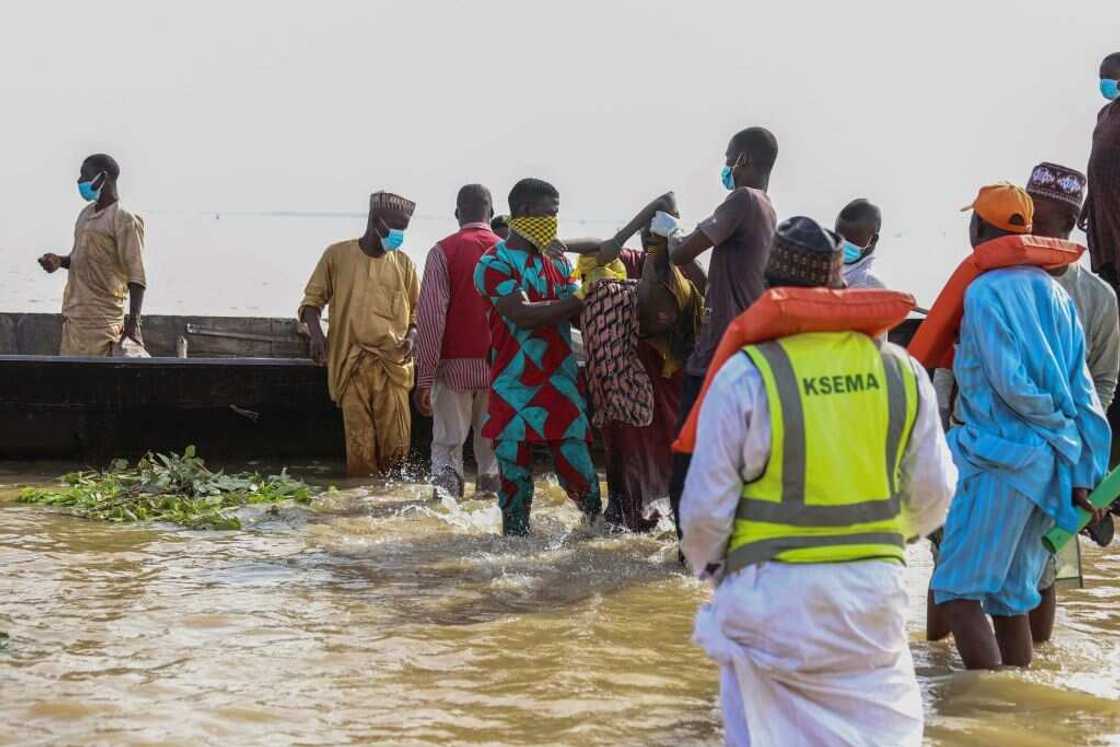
x=378, y=616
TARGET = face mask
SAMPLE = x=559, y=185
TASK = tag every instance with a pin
x=1110, y=89
x=726, y=177
x=86, y=190
x=852, y=253
x=540, y=231
x=393, y=241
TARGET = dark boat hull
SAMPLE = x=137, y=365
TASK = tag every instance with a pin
x=904, y=332
x=232, y=408
x=95, y=409
x=248, y=391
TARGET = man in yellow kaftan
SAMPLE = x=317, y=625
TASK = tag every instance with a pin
x=371, y=289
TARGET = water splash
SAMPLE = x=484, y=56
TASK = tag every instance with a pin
x=480, y=517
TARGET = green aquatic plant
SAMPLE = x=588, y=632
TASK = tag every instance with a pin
x=167, y=487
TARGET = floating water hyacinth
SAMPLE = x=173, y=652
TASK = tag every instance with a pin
x=167, y=487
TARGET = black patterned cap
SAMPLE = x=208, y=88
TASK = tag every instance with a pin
x=1057, y=182
x=805, y=254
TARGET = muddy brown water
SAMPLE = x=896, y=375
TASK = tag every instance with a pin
x=376, y=616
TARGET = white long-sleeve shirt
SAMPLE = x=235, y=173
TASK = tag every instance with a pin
x=861, y=275
x=733, y=447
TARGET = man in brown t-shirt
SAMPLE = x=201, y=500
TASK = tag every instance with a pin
x=739, y=234
x=105, y=266
x=1100, y=218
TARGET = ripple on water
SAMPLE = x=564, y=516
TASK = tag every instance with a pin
x=380, y=616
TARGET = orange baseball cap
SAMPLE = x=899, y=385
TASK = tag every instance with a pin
x=1004, y=206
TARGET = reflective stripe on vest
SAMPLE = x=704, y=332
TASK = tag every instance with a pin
x=848, y=516
x=760, y=552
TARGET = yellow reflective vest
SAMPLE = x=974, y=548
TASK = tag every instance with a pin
x=841, y=414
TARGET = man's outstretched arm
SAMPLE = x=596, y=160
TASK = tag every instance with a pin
x=685, y=250
x=611, y=248
x=714, y=230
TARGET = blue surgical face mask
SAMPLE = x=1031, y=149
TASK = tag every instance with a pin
x=393, y=241
x=852, y=253
x=87, y=191
x=1110, y=89
x=727, y=179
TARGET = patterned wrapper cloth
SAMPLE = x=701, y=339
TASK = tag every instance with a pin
x=620, y=388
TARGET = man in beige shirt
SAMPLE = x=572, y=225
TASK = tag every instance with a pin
x=372, y=289
x=105, y=265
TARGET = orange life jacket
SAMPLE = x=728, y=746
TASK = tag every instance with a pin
x=781, y=312
x=933, y=342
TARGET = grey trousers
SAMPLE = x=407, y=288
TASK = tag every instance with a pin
x=454, y=415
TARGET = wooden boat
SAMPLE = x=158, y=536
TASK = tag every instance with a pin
x=246, y=390
x=903, y=333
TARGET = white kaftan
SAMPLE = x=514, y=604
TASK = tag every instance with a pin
x=809, y=653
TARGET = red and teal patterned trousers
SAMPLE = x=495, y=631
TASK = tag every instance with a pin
x=571, y=459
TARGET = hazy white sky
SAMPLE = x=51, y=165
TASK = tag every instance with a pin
x=255, y=106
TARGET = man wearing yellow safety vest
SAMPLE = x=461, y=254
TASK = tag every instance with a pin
x=817, y=457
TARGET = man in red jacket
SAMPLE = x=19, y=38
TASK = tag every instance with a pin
x=453, y=374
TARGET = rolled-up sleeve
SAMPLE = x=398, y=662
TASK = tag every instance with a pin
x=129, y=230
x=724, y=222
x=319, y=288
x=493, y=278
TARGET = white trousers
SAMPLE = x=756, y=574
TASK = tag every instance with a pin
x=814, y=654
x=454, y=415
